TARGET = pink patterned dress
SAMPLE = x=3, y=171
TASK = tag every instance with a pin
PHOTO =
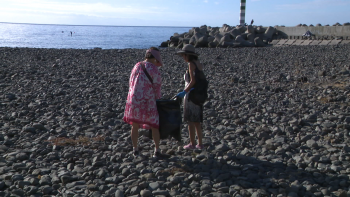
x=141, y=105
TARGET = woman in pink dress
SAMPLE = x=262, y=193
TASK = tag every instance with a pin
x=141, y=109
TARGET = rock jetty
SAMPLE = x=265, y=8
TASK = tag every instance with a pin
x=276, y=124
x=223, y=37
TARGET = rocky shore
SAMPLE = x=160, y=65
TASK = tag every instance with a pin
x=276, y=124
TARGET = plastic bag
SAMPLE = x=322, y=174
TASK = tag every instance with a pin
x=170, y=118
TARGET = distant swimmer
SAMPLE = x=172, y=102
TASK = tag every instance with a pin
x=71, y=34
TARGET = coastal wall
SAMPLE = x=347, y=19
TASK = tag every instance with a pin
x=259, y=36
x=318, y=31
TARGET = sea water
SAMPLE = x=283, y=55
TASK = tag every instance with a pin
x=84, y=37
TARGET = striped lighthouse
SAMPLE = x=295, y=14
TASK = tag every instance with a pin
x=242, y=16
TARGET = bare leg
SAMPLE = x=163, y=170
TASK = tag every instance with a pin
x=199, y=132
x=135, y=134
x=191, y=130
x=156, y=137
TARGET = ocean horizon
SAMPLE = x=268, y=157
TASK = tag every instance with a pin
x=93, y=25
x=60, y=36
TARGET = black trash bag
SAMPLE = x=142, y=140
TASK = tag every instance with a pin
x=170, y=118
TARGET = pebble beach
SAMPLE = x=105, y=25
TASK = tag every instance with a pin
x=276, y=124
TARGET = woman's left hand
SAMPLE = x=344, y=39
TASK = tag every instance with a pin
x=181, y=94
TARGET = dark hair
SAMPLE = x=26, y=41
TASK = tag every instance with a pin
x=192, y=58
x=149, y=54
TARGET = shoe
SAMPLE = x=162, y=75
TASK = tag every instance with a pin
x=199, y=147
x=159, y=155
x=189, y=147
x=136, y=153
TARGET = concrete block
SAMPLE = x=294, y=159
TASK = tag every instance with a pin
x=269, y=32
x=281, y=42
x=276, y=45
x=315, y=42
x=345, y=42
x=335, y=42
x=289, y=42
x=274, y=42
x=298, y=42
x=258, y=42
x=306, y=42
x=325, y=42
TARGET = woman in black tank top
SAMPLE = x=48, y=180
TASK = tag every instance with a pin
x=193, y=114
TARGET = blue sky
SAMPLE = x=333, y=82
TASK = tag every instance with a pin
x=188, y=13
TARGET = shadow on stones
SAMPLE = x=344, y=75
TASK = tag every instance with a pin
x=240, y=175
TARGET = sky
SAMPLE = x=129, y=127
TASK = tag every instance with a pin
x=181, y=13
